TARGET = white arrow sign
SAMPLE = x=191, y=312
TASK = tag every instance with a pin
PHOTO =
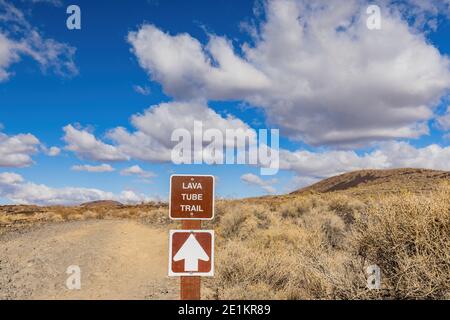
x=187, y=248
x=191, y=252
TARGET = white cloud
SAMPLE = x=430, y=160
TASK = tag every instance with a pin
x=180, y=64
x=90, y=168
x=14, y=188
x=86, y=146
x=18, y=38
x=155, y=126
x=151, y=139
x=318, y=165
x=53, y=151
x=10, y=178
x=144, y=90
x=298, y=182
x=424, y=14
x=8, y=55
x=138, y=171
x=329, y=163
x=253, y=179
x=151, y=142
x=316, y=70
x=444, y=121
x=16, y=151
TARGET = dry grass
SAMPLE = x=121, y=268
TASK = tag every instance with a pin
x=318, y=247
x=308, y=246
x=409, y=238
x=15, y=217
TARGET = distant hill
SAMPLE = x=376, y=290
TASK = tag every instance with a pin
x=101, y=203
x=376, y=181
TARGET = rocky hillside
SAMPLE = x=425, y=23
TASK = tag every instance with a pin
x=378, y=181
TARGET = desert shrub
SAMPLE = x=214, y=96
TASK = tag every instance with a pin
x=333, y=229
x=123, y=214
x=346, y=207
x=221, y=209
x=4, y=220
x=320, y=248
x=236, y=223
x=156, y=217
x=281, y=264
x=279, y=238
x=55, y=217
x=312, y=246
x=325, y=224
x=264, y=216
x=243, y=220
x=242, y=268
x=408, y=237
x=299, y=207
x=75, y=217
x=89, y=214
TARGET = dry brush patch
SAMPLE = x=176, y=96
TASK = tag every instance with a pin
x=17, y=217
x=310, y=246
x=318, y=247
x=408, y=236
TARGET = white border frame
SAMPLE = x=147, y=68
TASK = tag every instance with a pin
x=191, y=274
x=213, y=196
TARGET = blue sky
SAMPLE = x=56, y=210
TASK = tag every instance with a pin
x=98, y=92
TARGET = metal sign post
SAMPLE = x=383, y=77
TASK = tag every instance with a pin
x=191, y=249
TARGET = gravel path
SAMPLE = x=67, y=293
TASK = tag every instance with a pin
x=118, y=260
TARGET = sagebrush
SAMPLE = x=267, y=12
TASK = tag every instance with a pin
x=311, y=246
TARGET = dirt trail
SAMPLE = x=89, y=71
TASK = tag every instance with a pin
x=118, y=260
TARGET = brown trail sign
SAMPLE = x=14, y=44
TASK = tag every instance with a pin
x=191, y=197
x=191, y=251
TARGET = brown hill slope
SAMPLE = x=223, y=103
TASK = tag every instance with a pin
x=376, y=181
x=101, y=203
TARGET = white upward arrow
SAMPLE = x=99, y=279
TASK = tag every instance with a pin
x=191, y=252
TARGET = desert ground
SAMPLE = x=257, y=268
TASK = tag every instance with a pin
x=118, y=259
x=315, y=243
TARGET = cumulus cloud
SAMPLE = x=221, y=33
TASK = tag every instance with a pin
x=86, y=146
x=90, y=168
x=180, y=64
x=298, y=182
x=266, y=185
x=14, y=188
x=388, y=155
x=151, y=138
x=19, y=38
x=444, y=121
x=315, y=68
x=10, y=178
x=137, y=171
x=16, y=151
x=318, y=73
x=53, y=151
x=8, y=55
x=150, y=141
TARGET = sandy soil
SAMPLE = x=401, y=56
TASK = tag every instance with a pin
x=118, y=260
